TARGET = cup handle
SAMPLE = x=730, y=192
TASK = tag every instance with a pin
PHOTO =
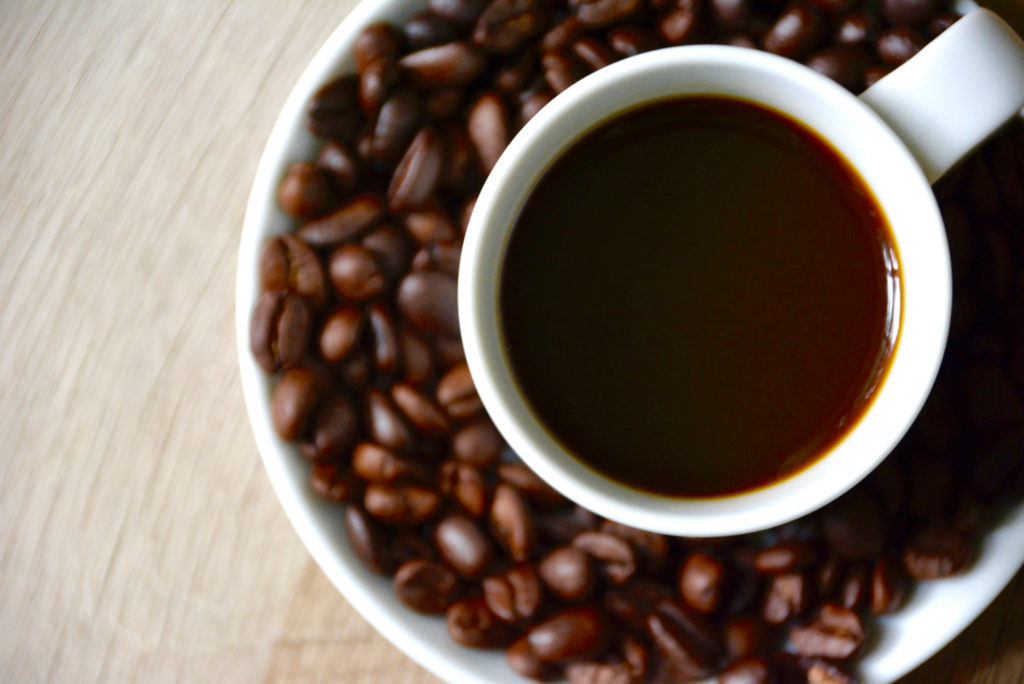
x=955, y=92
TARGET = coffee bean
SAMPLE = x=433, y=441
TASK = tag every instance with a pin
x=531, y=106
x=472, y=624
x=420, y=411
x=568, y=573
x=843, y=64
x=651, y=548
x=677, y=635
x=514, y=595
x=559, y=71
x=384, y=338
x=853, y=526
x=417, y=361
x=888, y=587
x=344, y=223
x=390, y=250
x=535, y=489
x=524, y=661
x=516, y=75
x=430, y=225
x=937, y=551
x=832, y=6
x=385, y=425
x=463, y=545
x=461, y=12
x=418, y=173
x=332, y=482
x=293, y=401
x=749, y=670
x=506, y=25
x=785, y=557
x=835, y=633
x=853, y=590
x=461, y=166
x=305, y=192
x=376, y=41
x=374, y=463
x=701, y=582
x=457, y=395
x=589, y=672
x=334, y=429
x=744, y=636
x=561, y=35
x=787, y=596
x=795, y=33
x=333, y=110
x=874, y=74
x=466, y=485
x=395, y=125
x=400, y=505
x=444, y=66
x=288, y=264
x=367, y=540
x=354, y=273
x=478, y=444
x=340, y=165
x=449, y=351
x=679, y=26
x=427, y=299
x=425, y=586
x=897, y=45
x=630, y=40
x=571, y=634
x=512, y=522
x=631, y=603
x=488, y=128
x=820, y=671
x=407, y=546
x=909, y=12
x=355, y=369
x=593, y=53
x=278, y=330
x=730, y=15
x=636, y=657
x=856, y=28
x=340, y=333
x=940, y=22
x=597, y=13
x=375, y=82
x=438, y=257
x=441, y=104
x=426, y=29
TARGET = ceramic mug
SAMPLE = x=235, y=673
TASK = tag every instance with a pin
x=901, y=135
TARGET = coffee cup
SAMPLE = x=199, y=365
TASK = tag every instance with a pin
x=900, y=136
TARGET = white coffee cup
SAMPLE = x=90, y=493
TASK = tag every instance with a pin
x=902, y=134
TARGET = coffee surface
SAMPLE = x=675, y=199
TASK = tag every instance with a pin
x=699, y=297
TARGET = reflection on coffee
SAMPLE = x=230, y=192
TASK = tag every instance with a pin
x=699, y=297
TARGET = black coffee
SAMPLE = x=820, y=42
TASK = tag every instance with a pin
x=699, y=297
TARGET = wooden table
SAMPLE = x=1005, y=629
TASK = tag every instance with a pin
x=141, y=540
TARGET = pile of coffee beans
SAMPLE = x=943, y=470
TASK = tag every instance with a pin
x=358, y=320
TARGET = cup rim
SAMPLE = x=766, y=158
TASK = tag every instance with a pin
x=479, y=274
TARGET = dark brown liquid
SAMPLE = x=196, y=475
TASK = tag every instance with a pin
x=699, y=297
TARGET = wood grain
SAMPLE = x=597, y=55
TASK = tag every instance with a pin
x=139, y=536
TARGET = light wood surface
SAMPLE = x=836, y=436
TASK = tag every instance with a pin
x=139, y=536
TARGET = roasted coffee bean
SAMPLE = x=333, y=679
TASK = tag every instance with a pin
x=628, y=41
x=425, y=586
x=651, y=548
x=441, y=104
x=524, y=661
x=888, y=587
x=288, y=264
x=679, y=26
x=516, y=75
x=344, y=223
x=384, y=338
x=472, y=624
x=367, y=540
x=463, y=545
x=787, y=596
x=835, y=633
x=402, y=504
x=897, y=45
x=417, y=360
x=853, y=526
x=457, y=395
x=340, y=165
x=488, y=128
x=374, y=463
x=418, y=173
x=744, y=636
x=559, y=71
x=635, y=655
x=395, y=125
x=677, y=634
x=828, y=575
x=355, y=274
x=749, y=670
x=843, y=64
x=856, y=28
x=333, y=111
x=461, y=12
x=819, y=671
x=571, y=634
x=937, y=551
x=427, y=299
x=385, y=425
x=515, y=595
x=376, y=41
x=427, y=29
x=730, y=15
x=444, y=66
x=420, y=411
x=461, y=165
x=355, y=369
x=568, y=573
x=293, y=402
x=438, y=257
x=875, y=74
x=466, y=485
x=795, y=33
x=407, y=546
x=429, y=224
x=832, y=6
x=742, y=40
x=593, y=53
x=334, y=429
x=909, y=12
x=506, y=25
x=745, y=588
x=340, y=333
x=305, y=192
x=512, y=522
x=531, y=106
x=332, y=482
x=278, y=330
x=853, y=590
x=535, y=489
x=614, y=556
x=375, y=82
x=389, y=249
x=701, y=582
x=785, y=557
x=940, y=22
x=596, y=13
x=450, y=352
x=478, y=444
x=631, y=603
x=561, y=35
